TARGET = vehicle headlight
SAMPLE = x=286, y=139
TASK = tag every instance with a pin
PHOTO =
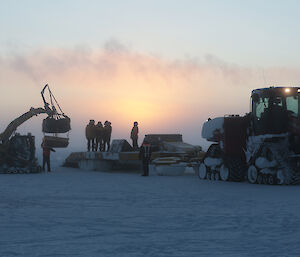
x=287, y=90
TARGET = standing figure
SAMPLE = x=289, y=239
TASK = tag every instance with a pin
x=134, y=135
x=46, y=155
x=99, y=136
x=90, y=135
x=145, y=156
x=107, y=135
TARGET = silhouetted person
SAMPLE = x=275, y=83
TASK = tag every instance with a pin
x=90, y=135
x=107, y=135
x=99, y=136
x=145, y=156
x=46, y=155
x=134, y=135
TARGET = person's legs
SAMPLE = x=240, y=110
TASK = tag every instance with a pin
x=101, y=145
x=48, y=163
x=97, y=144
x=94, y=145
x=134, y=143
x=89, y=144
x=145, y=168
x=108, y=145
x=44, y=162
x=104, y=145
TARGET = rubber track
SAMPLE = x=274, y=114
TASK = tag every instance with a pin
x=237, y=170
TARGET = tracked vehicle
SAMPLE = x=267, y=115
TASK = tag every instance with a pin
x=17, y=152
x=262, y=147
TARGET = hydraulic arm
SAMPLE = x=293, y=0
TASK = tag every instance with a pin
x=4, y=137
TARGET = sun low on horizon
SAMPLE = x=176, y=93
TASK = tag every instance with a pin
x=116, y=62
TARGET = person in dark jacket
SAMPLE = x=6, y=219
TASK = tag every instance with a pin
x=99, y=136
x=90, y=133
x=46, y=155
x=107, y=135
x=134, y=135
x=145, y=156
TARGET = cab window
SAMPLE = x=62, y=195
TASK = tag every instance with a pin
x=292, y=104
x=261, y=106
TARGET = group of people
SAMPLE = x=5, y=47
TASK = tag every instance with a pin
x=98, y=136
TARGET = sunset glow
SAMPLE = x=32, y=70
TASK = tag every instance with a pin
x=169, y=80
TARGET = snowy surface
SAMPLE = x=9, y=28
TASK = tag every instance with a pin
x=70, y=212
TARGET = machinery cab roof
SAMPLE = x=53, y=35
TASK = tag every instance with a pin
x=275, y=91
x=272, y=107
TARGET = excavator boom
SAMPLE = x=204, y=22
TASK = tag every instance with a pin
x=4, y=137
x=17, y=152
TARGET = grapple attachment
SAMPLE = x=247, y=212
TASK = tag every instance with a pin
x=52, y=125
x=56, y=122
x=56, y=142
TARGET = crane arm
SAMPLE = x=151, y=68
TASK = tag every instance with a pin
x=4, y=137
x=46, y=105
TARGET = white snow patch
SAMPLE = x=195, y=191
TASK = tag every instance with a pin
x=262, y=162
x=254, y=142
x=70, y=212
x=210, y=126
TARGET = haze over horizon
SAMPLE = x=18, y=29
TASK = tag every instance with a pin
x=169, y=65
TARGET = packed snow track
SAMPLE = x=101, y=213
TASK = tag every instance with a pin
x=70, y=212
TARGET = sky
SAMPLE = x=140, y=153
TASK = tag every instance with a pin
x=167, y=64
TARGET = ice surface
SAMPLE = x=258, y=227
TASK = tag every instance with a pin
x=82, y=213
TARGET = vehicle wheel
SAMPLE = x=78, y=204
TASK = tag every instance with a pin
x=237, y=169
x=202, y=172
x=280, y=177
x=259, y=179
x=224, y=173
x=252, y=174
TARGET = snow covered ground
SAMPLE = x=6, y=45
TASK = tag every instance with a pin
x=70, y=212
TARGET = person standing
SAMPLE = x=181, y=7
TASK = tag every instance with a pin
x=99, y=136
x=107, y=135
x=46, y=155
x=90, y=135
x=134, y=135
x=145, y=156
